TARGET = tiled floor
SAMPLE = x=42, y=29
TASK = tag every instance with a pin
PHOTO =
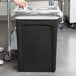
x=66, y=55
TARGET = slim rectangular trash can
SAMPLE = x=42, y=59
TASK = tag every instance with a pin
x=37, y=39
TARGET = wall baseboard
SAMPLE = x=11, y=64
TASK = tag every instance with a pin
x=4, y=18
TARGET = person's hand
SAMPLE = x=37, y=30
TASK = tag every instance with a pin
x=21, y=3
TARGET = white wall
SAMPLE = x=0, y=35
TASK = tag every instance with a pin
x=3, y=8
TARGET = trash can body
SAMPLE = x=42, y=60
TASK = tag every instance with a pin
x=36, y=41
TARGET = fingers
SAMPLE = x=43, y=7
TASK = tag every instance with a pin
x=25, y=3
x=21, y=3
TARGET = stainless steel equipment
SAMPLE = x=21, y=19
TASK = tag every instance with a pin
x=8, y=54
x=51, y=2
x=70, y=12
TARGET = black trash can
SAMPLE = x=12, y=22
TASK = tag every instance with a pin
x=37, y=39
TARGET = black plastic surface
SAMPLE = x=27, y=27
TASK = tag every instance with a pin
x=36, y=45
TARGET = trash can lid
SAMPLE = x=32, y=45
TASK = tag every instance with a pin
x=50, y=12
